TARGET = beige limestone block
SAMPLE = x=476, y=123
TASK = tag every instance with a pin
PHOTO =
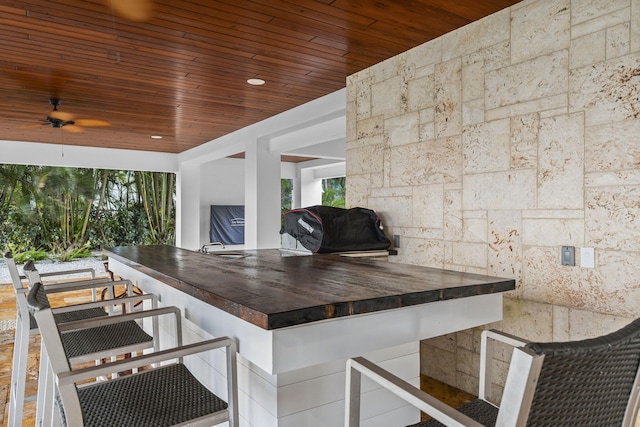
x=363, y=98
x=587, y=50
x=421, y=252
x=584, y=324
x=524, y=141
x=444, y=160
x=635, y=26
x=428, y=206
x=357, y=189
x=608, y=91
x=551, y=213
x=448, y=97
x=552, y=232
x=426, y=54
x=351, y=91
x=478, y=35
x=408, y=165
x=367, y=159
x=474, y=229
x=392, y=211
x=427, y=124
x=527, y=319
x=374, y=139
x=486, y=148
x=448, y=342
x=547, y=106
x=514, y=189
x=587, y=10
x=539, y=28
x=402, y=130
x=613, y=146
x=422, y=233
x=469, y=340
x=606, y=179
x=561, y=324
x=602, y=22
x=435, y=161
x=541, y=77
x=421, y=93
x=497, y=56
x=505, y=244
x=370, y=127
x=360, y=75
x=387, y=69
x=468, y=365
x=453, y=214
x=386, y=97
x=612, y=217
x=473, y=81
x=470, y=254
x=618, y=40
x=438, y=364
x=561, y=162
x=351, y=120
x=473, y=112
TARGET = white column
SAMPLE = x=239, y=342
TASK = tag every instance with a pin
x=188, y=206
x=262, y=196
x=310, y=188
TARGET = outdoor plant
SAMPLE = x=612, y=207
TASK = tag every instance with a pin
x=69, y=212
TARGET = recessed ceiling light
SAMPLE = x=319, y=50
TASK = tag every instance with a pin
x=156, y=137
x=256, y=82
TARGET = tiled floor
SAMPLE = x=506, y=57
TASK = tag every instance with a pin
x=446, y=393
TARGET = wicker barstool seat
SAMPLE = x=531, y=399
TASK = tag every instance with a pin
x=177, y=397
x=483, y=412
x=103, y=338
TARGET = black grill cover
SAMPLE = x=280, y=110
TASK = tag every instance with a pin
x=324, y=229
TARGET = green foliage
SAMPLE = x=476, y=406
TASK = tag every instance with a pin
x=30, y=255
x=333, y=193
x=71, y=254
x=70, y=211
x=286, y=194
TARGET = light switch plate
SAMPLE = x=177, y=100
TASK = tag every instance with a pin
x=568, y=255
x=587, y=258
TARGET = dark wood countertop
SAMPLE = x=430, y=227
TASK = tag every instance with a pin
x=272, y=290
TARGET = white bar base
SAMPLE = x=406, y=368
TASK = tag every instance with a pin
x=295, y=376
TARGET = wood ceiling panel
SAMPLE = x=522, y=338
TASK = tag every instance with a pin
x=182, y=74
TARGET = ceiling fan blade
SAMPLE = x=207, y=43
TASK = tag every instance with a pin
x=61, y=115
x=91, y=122
x=35, y=125
x=133, y=10
x=72, y=129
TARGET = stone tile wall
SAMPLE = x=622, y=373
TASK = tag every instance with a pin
x=489, y=148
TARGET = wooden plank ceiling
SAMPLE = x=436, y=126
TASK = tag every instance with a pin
x=180, y=71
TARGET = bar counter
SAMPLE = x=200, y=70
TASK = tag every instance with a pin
x=273, y=289
x=297, y=318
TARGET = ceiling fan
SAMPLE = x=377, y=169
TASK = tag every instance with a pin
x=67, y=121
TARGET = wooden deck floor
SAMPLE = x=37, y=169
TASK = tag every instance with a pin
x=442, y=391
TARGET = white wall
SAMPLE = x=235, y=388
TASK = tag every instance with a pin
x=222, y=184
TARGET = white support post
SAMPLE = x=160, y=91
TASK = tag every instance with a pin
x=262, y=196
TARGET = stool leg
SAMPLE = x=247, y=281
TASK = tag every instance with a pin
x=19, y=371
x=46, y=392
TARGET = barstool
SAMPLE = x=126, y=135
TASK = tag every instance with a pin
x=114, y=339
x=165, y=395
